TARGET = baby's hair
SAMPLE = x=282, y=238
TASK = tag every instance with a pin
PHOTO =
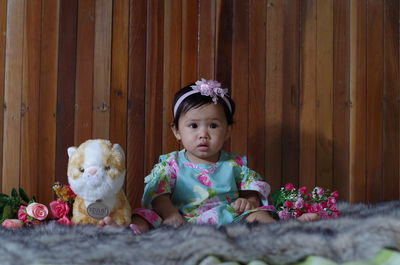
x=197, y=100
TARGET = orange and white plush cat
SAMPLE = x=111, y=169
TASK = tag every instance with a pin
x=96, y=174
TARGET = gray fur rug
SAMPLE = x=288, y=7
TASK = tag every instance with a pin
x=360, y=232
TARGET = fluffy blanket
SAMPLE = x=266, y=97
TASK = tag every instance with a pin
x=360, y=232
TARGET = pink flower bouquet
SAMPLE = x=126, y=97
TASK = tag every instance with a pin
x=17, y=209
x=61, y=207
x=290, y=202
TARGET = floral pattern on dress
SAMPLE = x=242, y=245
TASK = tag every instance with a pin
x=161, y=179
x=203, y=175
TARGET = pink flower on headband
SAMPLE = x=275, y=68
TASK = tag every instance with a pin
x=210, y=88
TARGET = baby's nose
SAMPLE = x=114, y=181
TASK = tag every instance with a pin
x=203, y=133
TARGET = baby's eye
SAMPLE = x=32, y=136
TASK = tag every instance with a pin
x=213, y=125
x=193, y=125
x=81, y=169
x=106, y=168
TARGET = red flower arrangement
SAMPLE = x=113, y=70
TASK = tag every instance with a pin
x=61, y=207
x=290, y=202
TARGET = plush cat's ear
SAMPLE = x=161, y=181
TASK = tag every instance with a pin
x=71, y=150
x=119, y=149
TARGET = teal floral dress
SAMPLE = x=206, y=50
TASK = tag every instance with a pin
x=203, y=192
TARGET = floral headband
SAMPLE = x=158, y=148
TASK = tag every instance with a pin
x=209, y=88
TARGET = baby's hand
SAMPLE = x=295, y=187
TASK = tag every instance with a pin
x=107, y=221
x=174, y=220
x=241, y=205
x=308, y=217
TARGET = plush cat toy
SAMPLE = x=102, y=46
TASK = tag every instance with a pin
x=96, y=173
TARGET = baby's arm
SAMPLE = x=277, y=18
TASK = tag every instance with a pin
x=164, y=207
x=247, y=200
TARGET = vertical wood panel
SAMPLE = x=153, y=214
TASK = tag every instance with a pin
x=119, y=72
x=136, y=101
x=341, y=97
x=256, y=87
x=12, y=94
x=154, y=90
x=84, y=71
x=66, y=85
x=102, y=69
x=391, y=92
x=359, y=105
x=308, y=93
x=224, y=11
x=48, y=99
x=206, y=56
x=324, y=75
x=30, y=97
x=374, y=99
x=240, y=68
x=3, y=28
x=290, y=112
x=274, y=92
x=189, y=41
x=172, y=67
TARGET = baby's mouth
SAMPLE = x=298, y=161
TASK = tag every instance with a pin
x=202, y=147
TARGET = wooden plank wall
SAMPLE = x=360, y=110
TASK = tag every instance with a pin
x=316, y=85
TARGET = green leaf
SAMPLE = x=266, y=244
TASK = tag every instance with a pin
x=3, y=195
x=23, y=195
x=14, y=193
x=277, y=200
x=8, y=212
x=4, y=199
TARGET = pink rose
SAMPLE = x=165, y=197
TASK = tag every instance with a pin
x=288, y=204
x=303, y=190
x=37, y=211
x=59, y=208
x=335, y=214
x=289, y=187
x=299, y=203
x=317, y=208
x=284, y=215
x=297, y=213
x=64, y=221
x=335, y=194
x=307, y=206
x=22, y=215
x=331, y=200
x=333, y=208
x=320, y=191
x=12, y=223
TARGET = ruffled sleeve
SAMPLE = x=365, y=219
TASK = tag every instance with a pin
x=161, y=180
x=251, y=180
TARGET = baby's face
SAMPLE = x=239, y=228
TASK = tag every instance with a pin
x=203, y=132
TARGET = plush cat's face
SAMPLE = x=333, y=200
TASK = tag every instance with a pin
x=96, y=169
